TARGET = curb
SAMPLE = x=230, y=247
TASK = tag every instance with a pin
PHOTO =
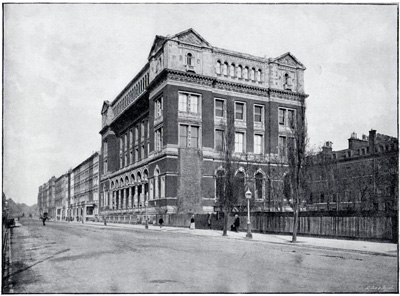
x=297, y=245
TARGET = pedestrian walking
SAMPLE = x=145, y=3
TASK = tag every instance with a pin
x=209, y=221
x=43, y=220
x=161, y=222
x=237, y=223
x=192, y=225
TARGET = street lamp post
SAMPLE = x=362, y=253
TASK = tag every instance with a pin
x=248, y=197
x=146, y=203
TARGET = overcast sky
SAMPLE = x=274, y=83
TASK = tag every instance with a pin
x=62, y=61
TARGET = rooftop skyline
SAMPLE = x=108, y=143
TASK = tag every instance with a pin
x=61, y=61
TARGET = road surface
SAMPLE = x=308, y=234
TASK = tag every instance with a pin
x=80, y=258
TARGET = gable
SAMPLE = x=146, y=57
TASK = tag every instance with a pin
x=192, y=37
x=104, y=109
x=158, y=42
x=289, y=59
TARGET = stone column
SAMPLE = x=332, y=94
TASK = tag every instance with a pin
x=130, y=197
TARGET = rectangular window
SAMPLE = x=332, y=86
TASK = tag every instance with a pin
x=125, y=141
x=142, y=152
x=136, y=134
x=258, y=144
x=219, y=108
x=239, y=111
x=183, y=136
x=282, y=116
x=183, y=102
x=142, y=131
x=219, y=140
x=189, y=136
x=158, y=139
x=158, y=107
x=194, y=137
x=239, y=142
x=105, y=166
x=105, y=148
x=258, y=112
x=282, y=146
x=291, y=118
x=189, y=103
x=130, y=139
x=136, y=154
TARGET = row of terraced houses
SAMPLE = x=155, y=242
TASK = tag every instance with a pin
x=162, y=136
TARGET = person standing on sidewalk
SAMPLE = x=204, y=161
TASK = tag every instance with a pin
x=236, y=224
x=209, y=221
x=161, y=222
x=192, y=225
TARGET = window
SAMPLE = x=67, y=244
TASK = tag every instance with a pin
x=136, y=153
x=218, y=67
x=239, y=142
x=219, y=140
x=189, y=102
x=105, y=166
x=282, y=144
x=130, y=139
x=239, y=71
x=258, y=113
x=189, y=59
x=259, y=192
x=105, y=148
x=252, y=74
x=291, y=118
x=282, y=116
x=232, y=70
x=225, y=69
x=239, y=185
x=246, y=73
x=189, y=136
x=158, y=107
x=219, y=108
x=159, y=139
x=239, y=111
x=258, y=144
x=220, y=185
x=142, y=131
x=183, y=136
x=258, y=75
x=136, y=134
x=287, y=117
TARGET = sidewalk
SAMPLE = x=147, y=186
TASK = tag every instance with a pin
x=376, y=248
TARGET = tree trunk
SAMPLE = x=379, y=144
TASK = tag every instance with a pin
x=225, y=231
x=295, y=222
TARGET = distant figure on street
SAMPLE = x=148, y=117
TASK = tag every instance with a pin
x=192, y=225
x=209, y=221
x=161, y=222
x=236, y=224
x=44, y=220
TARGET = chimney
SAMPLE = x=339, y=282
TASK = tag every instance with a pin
x=352, y=139
x=365, y=138
x=371, y=141
x=327, y=148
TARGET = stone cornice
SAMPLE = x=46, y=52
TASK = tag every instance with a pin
x=215, y=83
x=284, y=94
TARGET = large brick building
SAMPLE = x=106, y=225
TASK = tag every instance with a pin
x=362, y=177
x=161, y=136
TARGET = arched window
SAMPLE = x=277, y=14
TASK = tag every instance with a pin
x=239, y=71
x=258, y=76
x=246, y=73
x=259, y=188
x=239, y=189
x=189, y=59
x=252, y=74
x=232, y=70
x=220, y=185
x=218, y=67
x=225, y=69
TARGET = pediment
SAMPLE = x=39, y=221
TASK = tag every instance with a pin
x=192, y=37
x=157, y=43
x=105, y=107
x=288, y=59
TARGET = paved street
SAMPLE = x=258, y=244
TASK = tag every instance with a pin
x=82, y=258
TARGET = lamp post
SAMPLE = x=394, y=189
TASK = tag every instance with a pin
x=248, y=197
x=146, y=203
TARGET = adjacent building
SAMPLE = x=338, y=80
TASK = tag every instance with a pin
x=84, y=193
x=46, y=198
x=363, y=177
x=162, y=136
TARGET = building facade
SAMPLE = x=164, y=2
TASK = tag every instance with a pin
x=84, y=192
x=363, y=177
x=61, y=197
x=162, y=136
x=46, y=198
